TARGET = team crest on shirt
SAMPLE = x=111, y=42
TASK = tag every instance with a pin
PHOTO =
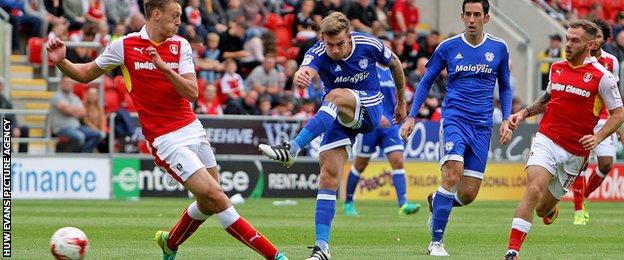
x=448, y=146
x=489, y=56
x=363, y=63
x=587, y=77
x=174, y=49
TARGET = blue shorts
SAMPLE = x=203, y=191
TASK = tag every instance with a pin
x=367, y=117
x=466, y=143
x=387, y=139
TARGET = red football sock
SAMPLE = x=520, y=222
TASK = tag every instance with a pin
x=248, y=235
x=577, y=189
x=182, y=230
x=594, y=181
x=519, y=230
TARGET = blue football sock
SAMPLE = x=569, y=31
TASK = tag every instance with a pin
x=442, y=205
x=322, y=120
x=352, y=182
x=456, y=201
x=398, y=180
x=325, y=210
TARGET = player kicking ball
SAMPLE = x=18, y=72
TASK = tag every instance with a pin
x=561, y=146
x=345, y=62
x=160, y=77
x=389, y=141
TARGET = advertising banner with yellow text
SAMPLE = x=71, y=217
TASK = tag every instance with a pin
x=503, y=181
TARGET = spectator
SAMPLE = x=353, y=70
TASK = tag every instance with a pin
x=363, y=16
x=303, y=20
x=254, y=11
x=382, y=11
x=194, y=19
x=17, y=130
x=411, y=51
x=94, y=118
x=431, y=42
x=437, y=88
x=209, y=103
x=66, y=110
x=405, y=16
x=214, y=17
x=248, y=54
x=555, y=51
x=209, y=64
x=75, y=13
x=430, y=109
x=232, y=83
x=24, y=21
x=117, y=12
x=264, y=105
x=95, y=12
x=245, y=106
x=282, y=108
x=264, y=78
x=324, y=7
x=289, y=73
x=137, y=20
x=497, y=114
x=619, y=24
x=234, y=12
x=54, y=13
x=307, y=111
x=516, y=105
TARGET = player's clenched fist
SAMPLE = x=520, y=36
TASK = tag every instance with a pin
x=158, y=62
x=56, y=49
x=408, y=127
x=302, y=79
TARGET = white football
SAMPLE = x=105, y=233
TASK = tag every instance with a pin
x=69, y=243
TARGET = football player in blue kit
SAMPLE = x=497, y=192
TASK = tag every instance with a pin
x=475, y=61
x=346, y=63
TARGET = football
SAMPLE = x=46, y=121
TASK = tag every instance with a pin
x=69, y=243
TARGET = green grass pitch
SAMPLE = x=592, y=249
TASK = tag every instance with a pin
x=124, y=230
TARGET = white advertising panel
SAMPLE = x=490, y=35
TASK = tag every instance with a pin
x=60, y=178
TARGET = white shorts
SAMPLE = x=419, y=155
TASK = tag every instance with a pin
x=607, y=146
x=184, y=151
x=564, y=166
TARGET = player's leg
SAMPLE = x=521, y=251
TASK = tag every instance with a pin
x=189, y=167
x=358, y=167
x=395, y=157
x=338, y=103
x=331, y=160
x=538, y=179
x=605, y=164
x=581, y=217
x=365, y=146
x=452, y=148
x=475, y=159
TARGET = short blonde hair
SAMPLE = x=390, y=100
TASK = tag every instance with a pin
x=213, y=37
x=334, y=24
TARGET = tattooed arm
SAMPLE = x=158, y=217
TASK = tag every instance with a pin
x=538, y=107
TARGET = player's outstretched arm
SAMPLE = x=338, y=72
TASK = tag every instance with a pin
x=81, y=72
x=396, y=68
x=303, y=77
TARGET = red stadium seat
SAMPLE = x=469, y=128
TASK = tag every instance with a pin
x=80, y=89
x=283, y=37
x=112, y=100
x=289, y=20
x=35, y=47
x=200, y=88
x=292, y=53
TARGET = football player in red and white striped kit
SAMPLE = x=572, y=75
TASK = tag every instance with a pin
x=579, y=86
x=605, y=151
x=160, y=76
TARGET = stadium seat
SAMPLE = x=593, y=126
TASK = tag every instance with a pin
x=289, y=20
x=292, y=53
x=35, y=48
x=120, y=84
x=112, y=100
x=283, y=37
x=80, y=89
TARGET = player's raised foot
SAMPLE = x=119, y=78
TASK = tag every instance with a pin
x=161, y=240
x=280, y=256
x=280, y=153
x=436, y=249
x=349, y=209
x=318, y=254
x=409, y=208
x=429, y=220
x=550, y=218
x=511, y=255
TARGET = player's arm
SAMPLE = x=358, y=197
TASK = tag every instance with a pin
x=505, y=93
x=434, y=66
x=399, y=81
x=610, y=95
x=81, y=72
x=184, y=81
x=309, y=68
x=538, y=107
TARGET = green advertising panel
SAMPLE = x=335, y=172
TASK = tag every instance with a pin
x=126, y=178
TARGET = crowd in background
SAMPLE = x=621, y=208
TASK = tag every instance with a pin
x=246, y=51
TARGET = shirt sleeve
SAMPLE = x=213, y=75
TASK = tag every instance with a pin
x=382, y=55
x=434, y=66
x=312, y=57
x=505, y=90
x=616, y=70
x=186, y=58
x=609, y=92
x=112, y=56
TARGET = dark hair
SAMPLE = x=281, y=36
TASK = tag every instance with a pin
x=484, y=3
x=151, y=5
x=604, y=27
x=589, y=27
